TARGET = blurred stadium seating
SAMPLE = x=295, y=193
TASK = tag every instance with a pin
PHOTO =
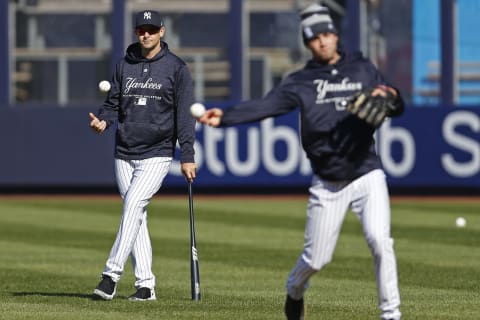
x=53, y=35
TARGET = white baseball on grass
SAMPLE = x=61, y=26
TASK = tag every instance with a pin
x=460, y=222
x=104, y=86
x=197, y=110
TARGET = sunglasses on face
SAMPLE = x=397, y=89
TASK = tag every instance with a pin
x=142, y=30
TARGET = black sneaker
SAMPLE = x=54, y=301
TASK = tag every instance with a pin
x=106, y=289
x=143, y=294
x=294, y=309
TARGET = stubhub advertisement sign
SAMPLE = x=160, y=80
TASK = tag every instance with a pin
x=425, y=147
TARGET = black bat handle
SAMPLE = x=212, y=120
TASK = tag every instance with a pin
x=194, y=270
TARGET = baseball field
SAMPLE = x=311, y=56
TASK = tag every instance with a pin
x=52, y=250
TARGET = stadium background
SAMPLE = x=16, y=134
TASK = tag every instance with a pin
x=53, y=54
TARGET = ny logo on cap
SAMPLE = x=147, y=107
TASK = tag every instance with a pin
x=147, y=15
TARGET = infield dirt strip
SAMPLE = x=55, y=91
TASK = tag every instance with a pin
x=280, y=197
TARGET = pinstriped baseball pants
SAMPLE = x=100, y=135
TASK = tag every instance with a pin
x=138, y=181
x=368, y=198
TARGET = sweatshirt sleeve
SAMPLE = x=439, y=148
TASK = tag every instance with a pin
x=399, y=104
x=110, y=107
x=280, y=100
x=185, y=123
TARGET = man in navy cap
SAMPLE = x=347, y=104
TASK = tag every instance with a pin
x=150, y=97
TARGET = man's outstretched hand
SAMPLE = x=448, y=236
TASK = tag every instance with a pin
x=98, y=125
x=212, y=117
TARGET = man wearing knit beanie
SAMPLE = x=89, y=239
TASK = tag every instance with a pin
x=315, y=20
x=348, y=173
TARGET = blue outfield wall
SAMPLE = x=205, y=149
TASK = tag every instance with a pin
x=54, y=147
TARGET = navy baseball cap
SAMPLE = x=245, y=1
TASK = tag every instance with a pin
x=148, y=17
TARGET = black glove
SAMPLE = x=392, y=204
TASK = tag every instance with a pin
x=372, y=109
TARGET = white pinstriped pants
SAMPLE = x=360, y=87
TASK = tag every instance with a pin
x=368, y=198
x=138, y=181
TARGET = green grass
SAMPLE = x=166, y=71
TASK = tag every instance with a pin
x=53, y=250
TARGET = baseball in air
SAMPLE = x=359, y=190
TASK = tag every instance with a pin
x=104, y=86
x=197, y=110
x=460, y=222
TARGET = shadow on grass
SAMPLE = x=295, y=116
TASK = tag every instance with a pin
x=56, y=294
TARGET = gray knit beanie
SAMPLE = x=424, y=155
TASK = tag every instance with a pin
x=315, y=20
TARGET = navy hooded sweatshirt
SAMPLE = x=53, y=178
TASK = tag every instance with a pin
x=339, y=145
x=150, y=99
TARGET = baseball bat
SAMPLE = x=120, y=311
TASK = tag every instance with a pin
x=194, y=271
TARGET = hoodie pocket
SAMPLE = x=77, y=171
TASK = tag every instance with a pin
x=132, y=134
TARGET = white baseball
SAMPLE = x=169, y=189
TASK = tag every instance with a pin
x=197, y=110
x=460, y=222
x=104, y=86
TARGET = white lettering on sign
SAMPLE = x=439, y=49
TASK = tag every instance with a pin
x=452, y=121
x=276, y=134
x=226, y=151
x=232, y=158
x=389, y=135
x=260, y=147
